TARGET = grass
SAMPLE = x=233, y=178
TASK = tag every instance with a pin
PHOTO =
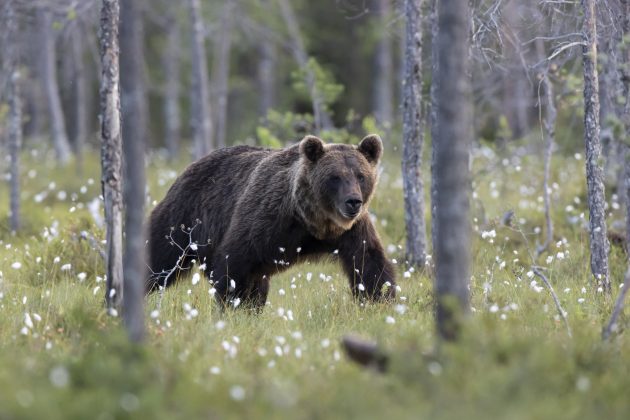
x=67, y=359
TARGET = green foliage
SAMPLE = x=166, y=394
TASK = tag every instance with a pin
x=325, y=83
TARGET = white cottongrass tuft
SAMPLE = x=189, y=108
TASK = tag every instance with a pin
x=16, y=265
x=195, y=278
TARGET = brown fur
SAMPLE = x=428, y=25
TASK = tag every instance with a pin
x=262, y=210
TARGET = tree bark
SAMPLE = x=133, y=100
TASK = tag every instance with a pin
x=80, y=95
x=200, y=121
x=451, y=159
x=434, y=120
x=413, y=137
x=594, y=174
x=624, y=73
x=134, y=130
x=132, y=81
x=383, y=61
x=51, y=87
x=170, y=62
x=15, y=115
x=266, y=75
x=221, y=83
x=320, y=116
x=550, y=134
x=111, y=149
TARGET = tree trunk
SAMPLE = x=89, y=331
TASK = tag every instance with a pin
x=451, y=159
x=15, y=115
x=413, y=137
x=170, y=62
x=51, y=87
x=266, y=75
x=200, y=121
x=624, y=70
x=134, y=130
x=383, y=61
x=221, y=83
x=80, y=95
x=550, y=134
x=434, y=120
x=111, y=149
x=320, y=116
x=594, y=174
x=132, y=83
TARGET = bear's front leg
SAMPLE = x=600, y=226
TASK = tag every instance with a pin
x=370, y=273
x=237, y=284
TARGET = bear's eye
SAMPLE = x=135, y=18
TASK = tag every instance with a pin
x=360, y=177
x=335, y=179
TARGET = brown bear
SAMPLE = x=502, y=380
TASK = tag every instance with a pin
x=249, y=212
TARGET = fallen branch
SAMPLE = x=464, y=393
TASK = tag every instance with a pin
x=561, y=311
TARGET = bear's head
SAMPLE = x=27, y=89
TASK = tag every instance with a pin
x=341, y=177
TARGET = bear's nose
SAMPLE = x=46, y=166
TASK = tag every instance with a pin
x=353, y=205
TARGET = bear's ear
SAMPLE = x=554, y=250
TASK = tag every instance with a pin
x=312, y=147
x=372, y=148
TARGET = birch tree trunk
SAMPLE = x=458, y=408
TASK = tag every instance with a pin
x=434, y=120
x=111, y=149
x=170, y=63
x=200, y=120
x=80, y=95
x=266, y=75
x=132, y=83
x=550, y=134
x=320, y=116
x=222, y=72
x=413, y=136
x=624, y=70
x=594, y=173
x=15, y=115
x=48, y=72
x=383, y=62
x=451, y=159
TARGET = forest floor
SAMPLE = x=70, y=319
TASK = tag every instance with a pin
x=63, y=357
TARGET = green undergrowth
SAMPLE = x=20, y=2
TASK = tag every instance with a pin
x=62, y=356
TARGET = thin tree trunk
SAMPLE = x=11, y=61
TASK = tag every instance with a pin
x=111, y=149
x=321, y=117
x=434, y=120
x=413, y=137
x=200, y=121
x=80, y=96
x=624, y=70
x=51, y=87
x=550, y=133
x=132, y=83
x=134, y=131
x=266, y=75
x=594, y=173
x=15, y=115
x=170, y=62
x=222, y=72
x=451, y=160
x=383, y=61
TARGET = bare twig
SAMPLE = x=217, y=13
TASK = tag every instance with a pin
x=94, y=243
x=561, y=311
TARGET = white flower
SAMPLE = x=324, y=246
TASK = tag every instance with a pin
x=28, y=321
x=281, y=292
x=535, y=287
x=155, y=313
x=560, y=255
x=361, y=287
x=16, y=265
x=237, y=393
x=82, y=276
x=195, y=278
x=390, y=320
x=215, y=370
x=406, y=274
x=193, y=246
x=66, y=267
x=549, y=259
x=325, y=343
x=494, y=308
